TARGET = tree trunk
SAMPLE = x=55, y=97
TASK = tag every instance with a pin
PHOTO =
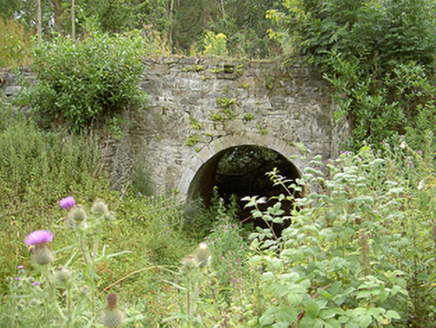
x=38, y=19
x=73, y=27
x=57, y=12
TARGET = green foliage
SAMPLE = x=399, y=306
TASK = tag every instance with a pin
x=141, y=179
x=262, y=129
x=225, y=102
x=215, y=44
x=124, y=15
x=28, y=154
x=246, y=26
x=37, y=169
x=193, y=140
x=16, y=44
x=377, y=54
x=362, y=252
x=249, y=116
x=196, y=125
x=82, y=83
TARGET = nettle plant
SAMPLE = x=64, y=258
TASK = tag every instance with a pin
x=65, y=296
x=359, y=253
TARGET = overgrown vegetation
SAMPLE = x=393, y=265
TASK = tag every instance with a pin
x=359, y=252
x=16, y=44
x=360, y=249
x=82, y=83
x=378, y=56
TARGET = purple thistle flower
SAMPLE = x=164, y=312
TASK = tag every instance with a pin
x=36, y=283
x=20, y=267
x=67, y=203
x=17, y=278
x=39, y=237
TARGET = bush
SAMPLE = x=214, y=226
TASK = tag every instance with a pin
x=81, y=83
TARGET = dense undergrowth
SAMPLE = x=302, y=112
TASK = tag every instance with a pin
x=359, y=252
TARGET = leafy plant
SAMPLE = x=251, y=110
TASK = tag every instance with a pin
x=83, y=83
x=249, y=116
x=215, y=44
x=262, y=129
x=196, y=125
x=193, y=140
x=354, y=254
x=225, y=102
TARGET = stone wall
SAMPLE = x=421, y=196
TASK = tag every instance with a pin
x=199, y=107
x=270, y=105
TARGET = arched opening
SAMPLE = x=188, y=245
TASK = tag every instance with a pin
x=242, y=171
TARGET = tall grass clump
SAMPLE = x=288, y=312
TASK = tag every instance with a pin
x=36, y=169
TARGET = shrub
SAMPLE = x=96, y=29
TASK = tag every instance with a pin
x=81, y=83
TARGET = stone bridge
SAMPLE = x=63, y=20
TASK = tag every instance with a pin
x=200, y=109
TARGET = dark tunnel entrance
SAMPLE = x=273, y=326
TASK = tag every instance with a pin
x=242, y=171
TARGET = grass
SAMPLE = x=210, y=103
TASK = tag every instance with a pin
x=359, y=252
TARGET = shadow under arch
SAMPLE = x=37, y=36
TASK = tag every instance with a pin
x=244, y=175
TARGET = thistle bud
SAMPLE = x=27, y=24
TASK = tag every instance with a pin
x=202, y=255
x=63, y=275
x=109, y=216
x=112, y=316
x=99, y=207
x=42, y=254
x=189, y=264
x=78, y=213
x=84, y=290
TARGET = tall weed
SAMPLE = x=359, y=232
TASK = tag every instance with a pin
x=16, y=44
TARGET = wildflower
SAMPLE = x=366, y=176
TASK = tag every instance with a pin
x=67, y=203
x=99, y=207
x=421, y=185
x=202, y=255
x=419, y=152
x=36, y=283
x=38, y=242
x=112, y=316
x=20, y=267
x=17, y=278
x=39, y=237
x=403, y=145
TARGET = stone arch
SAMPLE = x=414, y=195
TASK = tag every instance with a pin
x=198, y=177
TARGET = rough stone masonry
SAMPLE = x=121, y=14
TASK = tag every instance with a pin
x=199, y=107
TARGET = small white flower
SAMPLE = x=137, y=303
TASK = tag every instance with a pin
x=421, y=185
x=403, y=145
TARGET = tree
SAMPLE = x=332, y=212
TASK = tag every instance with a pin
x=363, y=47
